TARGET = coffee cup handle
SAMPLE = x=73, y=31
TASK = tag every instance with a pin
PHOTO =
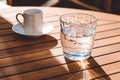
x=19, y=20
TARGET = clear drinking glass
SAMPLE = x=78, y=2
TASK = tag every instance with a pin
x=77, y=35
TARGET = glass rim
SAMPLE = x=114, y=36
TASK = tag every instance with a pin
x=95, y=18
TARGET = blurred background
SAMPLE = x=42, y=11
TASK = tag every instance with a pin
x=109, y=6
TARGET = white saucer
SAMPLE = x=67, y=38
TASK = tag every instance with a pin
x=47, y=27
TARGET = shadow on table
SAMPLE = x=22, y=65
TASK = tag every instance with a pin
x=34, y=58
x=86, y=70
x=21, y=56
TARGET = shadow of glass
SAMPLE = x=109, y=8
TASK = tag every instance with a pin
x=86, y=70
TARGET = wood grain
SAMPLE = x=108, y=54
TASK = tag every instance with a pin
x=25, y=58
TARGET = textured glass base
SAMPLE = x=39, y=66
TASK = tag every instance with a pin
x=77, y=55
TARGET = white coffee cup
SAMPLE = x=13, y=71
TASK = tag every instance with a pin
x=33, y=21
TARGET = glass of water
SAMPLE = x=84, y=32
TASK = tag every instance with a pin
x=77, y=35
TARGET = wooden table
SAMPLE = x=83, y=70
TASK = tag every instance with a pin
x=23, y=58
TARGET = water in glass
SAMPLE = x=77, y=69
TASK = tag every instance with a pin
x=77, y=42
